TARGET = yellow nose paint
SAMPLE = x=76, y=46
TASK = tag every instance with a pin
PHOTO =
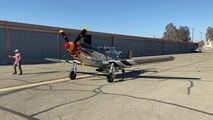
x=71, y=46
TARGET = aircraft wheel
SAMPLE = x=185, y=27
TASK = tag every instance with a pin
x=73, y=75
x=110, y=77
x=123, y=70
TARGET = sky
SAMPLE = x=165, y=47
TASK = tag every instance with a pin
x=145, y=18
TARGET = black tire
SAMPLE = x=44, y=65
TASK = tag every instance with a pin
x=110, y=77
x=123, y=70
x=72, y=75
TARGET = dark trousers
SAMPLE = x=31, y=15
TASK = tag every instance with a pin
x=19, y=66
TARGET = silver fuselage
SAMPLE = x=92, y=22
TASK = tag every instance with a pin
x=91, y=56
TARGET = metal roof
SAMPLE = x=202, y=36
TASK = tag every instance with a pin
x=43, y=28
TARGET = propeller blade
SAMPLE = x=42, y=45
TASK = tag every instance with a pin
x=82, y=34
x=64, y=35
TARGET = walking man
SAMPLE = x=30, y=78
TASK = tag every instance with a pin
x=17, y=62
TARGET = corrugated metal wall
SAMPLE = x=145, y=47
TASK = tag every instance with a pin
x=3, y=56
x=152, y=48
x=37, y=43
x=102, y=41
x=34, y=46
x=144, y=46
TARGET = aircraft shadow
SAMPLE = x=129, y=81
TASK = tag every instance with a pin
x=137, y=74
x=134, y=74
x=92, y=73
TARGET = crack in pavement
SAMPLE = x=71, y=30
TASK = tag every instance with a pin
x=64, y=104
x=96, y=92
x=190, y=87
x=160, y=101
x=18, y=113
x=99, y=91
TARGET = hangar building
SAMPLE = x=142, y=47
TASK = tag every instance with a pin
x=37, y=42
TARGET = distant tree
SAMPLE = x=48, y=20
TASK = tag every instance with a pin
x=209, y=34
x=183, y=34
x=206, y=36
x=170, y=32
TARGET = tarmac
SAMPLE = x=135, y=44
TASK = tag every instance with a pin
x=178, y=90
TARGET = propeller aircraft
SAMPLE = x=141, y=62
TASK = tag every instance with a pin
x=103, y=59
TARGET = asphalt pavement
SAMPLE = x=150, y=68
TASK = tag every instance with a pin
x=178, y=90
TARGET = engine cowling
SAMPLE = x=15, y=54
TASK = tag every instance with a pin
x=73, y=48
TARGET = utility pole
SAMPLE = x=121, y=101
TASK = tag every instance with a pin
x=193, y=34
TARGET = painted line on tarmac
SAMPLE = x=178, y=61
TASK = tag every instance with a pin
x=39, y=84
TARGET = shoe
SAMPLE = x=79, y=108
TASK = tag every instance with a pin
x=20, y=73
x=14, y=73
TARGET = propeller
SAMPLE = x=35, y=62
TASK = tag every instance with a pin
x=81, y=34
x=64, y=35
x=73, y=47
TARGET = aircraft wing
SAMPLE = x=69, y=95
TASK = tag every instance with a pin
x=123, y=62
x=62, y=61
x=150, y=59
x=138, y=60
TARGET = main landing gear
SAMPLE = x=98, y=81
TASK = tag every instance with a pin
x=73, y=72
x=111, y=74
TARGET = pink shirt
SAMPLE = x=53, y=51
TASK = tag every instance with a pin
x=17, y=57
